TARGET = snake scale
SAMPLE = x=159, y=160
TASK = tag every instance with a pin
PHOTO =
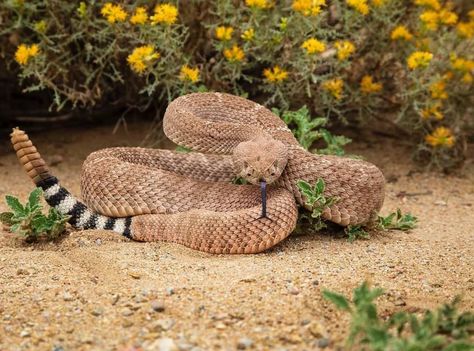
x=188, y=198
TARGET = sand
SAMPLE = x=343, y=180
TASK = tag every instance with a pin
x=94, y=290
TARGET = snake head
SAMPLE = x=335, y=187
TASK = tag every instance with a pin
x=260, y=159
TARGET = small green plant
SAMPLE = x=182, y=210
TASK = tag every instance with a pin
x=182, y=149
x=316, y=200
x=308, y=130
x=397, y=221
x=29, y=221
x=355, y=232
x=443, y=329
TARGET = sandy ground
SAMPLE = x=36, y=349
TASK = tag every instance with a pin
x=96, y=291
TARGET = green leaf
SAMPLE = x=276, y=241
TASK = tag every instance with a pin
x=337, y=299
x=319, y=186
x=14, y=204
x=34, y=198
x=6, y=218
x=304, y=187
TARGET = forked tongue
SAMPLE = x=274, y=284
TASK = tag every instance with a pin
x=263, y=190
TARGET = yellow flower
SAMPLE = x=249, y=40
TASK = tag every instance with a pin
x=447, y=17
x=41, y=26
x=234, y=54
x=419, y=59
x=434, y=4
x=433, y=19
x=466, y=29
x=142, y=57
x=261, y=4
x=308, y=7
x=189, y=74
x=165, y=13
x=24, y=53
x=113, y=13
x=344, y=49
x=441, y=136
x=467, y=78
x=275, y=74
x=367, y=85
x=433, y=111
x=335, y=87
x=461, y=64
x=430, y=19
x=82, y=9
x=401, y=32
x=438, y=90
x=359, y=5
x=224, y=33
x=140, y=16
x=313, y=46
x=248, y=34
x=378, y=3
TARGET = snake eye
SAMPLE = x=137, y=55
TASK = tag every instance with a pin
x=273, y=174
x=248, y=174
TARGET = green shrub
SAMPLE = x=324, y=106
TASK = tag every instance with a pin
x=443, y=329
x=404, y=63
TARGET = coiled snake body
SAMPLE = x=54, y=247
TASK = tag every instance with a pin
x=188, y=198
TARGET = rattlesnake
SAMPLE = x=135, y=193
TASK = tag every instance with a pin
x=189, y=198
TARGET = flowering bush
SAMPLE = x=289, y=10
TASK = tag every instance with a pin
x=408, y=63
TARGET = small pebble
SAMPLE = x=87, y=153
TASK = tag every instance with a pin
x=157, y=306
x=323, y=343
x=163, y=324
x=115, y=299
x=98, y=311
x=67, y=296
x=25, y=333
x=22, y=271
x=170, y=291
x=134, y=275
x=163, y=344
x=127, y=312
x=441, y=203
x=293, y=291
x=244, y=343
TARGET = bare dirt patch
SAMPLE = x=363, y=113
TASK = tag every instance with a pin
x=96, y=291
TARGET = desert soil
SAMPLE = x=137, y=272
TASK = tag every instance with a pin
x=93, y=290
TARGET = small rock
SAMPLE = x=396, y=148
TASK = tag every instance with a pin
x=115, y=299
x=67, y=296
x=25, y=333
x=98, y=311
x=170, y=291
x=323, y=343
x=134, y=275
x=127, y=312
x=157, y=306
x=293, y=290
x=317, y=330
x=98, y=242
x=244, y=343
x=441, y=203
x=163, y=344
x=400, y=302
x=163, y=324
x=220, y=326
x=127, y=323
x=22, y=271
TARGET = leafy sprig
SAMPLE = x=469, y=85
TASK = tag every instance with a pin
x=29, y=221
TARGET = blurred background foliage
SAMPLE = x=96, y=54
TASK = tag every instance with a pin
x=402, y=67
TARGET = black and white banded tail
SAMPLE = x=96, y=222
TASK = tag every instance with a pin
x=57, y=196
